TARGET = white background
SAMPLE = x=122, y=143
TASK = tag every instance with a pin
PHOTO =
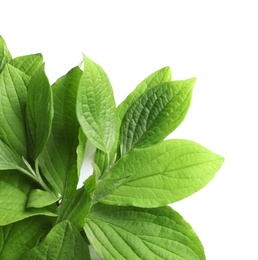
x=215, y=41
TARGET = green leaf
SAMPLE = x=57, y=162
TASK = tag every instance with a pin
x=96, y=106
x=40, y=199
x=155, y=114
x=19, y=237
x=28, y=64
x=136, y=233
x=5, y=55
x=156, y=78
x=13, y=93
x=62, y=242
x=162, y=174
x=75, y=208
x=13, y=205
x=39, y=111
x=62, y=157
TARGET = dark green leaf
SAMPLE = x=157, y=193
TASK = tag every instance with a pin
x=62, y=242
x=155, y=114
x=13, y=93
x=96, y=106
x=39, y=111
x=162, y=174
x=136, y=233
x=28, y=64
x=61, y=160
x=5, y=55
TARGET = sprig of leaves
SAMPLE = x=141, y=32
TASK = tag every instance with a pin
x=121, y=210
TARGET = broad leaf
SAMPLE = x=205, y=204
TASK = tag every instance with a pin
x=161, y=174
x=156, y=78
x=155, y=114
x=13, y=205
x=19, y=237
x=96, y=106
x=62, y=242
x=136, y=233
x=13, y=93
x=75, y=208
x=61, y=159
x=40, y=199
x=28, y=64
x=5, y=55
x=39, y=111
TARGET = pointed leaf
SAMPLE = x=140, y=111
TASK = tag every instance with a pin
x=39, y=111
x=40, y=199
x=96, y=106
x=136, y=233
x=19, y=237
x=13, y=93
x=75, y=208
x=162, y=174
x=62, y=242
x=61, y=159
x=155, y=114
x=5, y=55
x=28, y=64
x=13, y=205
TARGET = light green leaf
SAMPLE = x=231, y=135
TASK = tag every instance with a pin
x=62, y=157
x=13, y=93
x=5, y=55
x=40, y=199
x=96, y=106
x=28, y=64
x=39, y=111
x=62, y=242
x=19, y=237
x=162, y=174
x=156, y=78
x=13, y=205
x=155, y=114
x=75, y=208
x=136, y=233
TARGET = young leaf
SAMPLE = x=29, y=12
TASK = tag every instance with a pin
x=96, y=106
x=62, y=242
x=19, y=237
x=136, y=233
x=162, y=174
x=39, y=111
x=61, y=159
x=75, y=208
x=5, y=55
x=40, y=199
x=13, y=205
x=28, y=64
x=13, y=93
x=155, y=114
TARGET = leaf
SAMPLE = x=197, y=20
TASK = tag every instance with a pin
x=28, y=64
x=155, y=114
x=39, y=111
x=40, y=199
x=96, y=106
x=156, y=78
x=13, y=205
x=62, y=157
x=162, y=174
x=62, y=242
x=13, y=93
x=136, y=233
x=5, y=55
x=19, y=237
x=75, y=208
